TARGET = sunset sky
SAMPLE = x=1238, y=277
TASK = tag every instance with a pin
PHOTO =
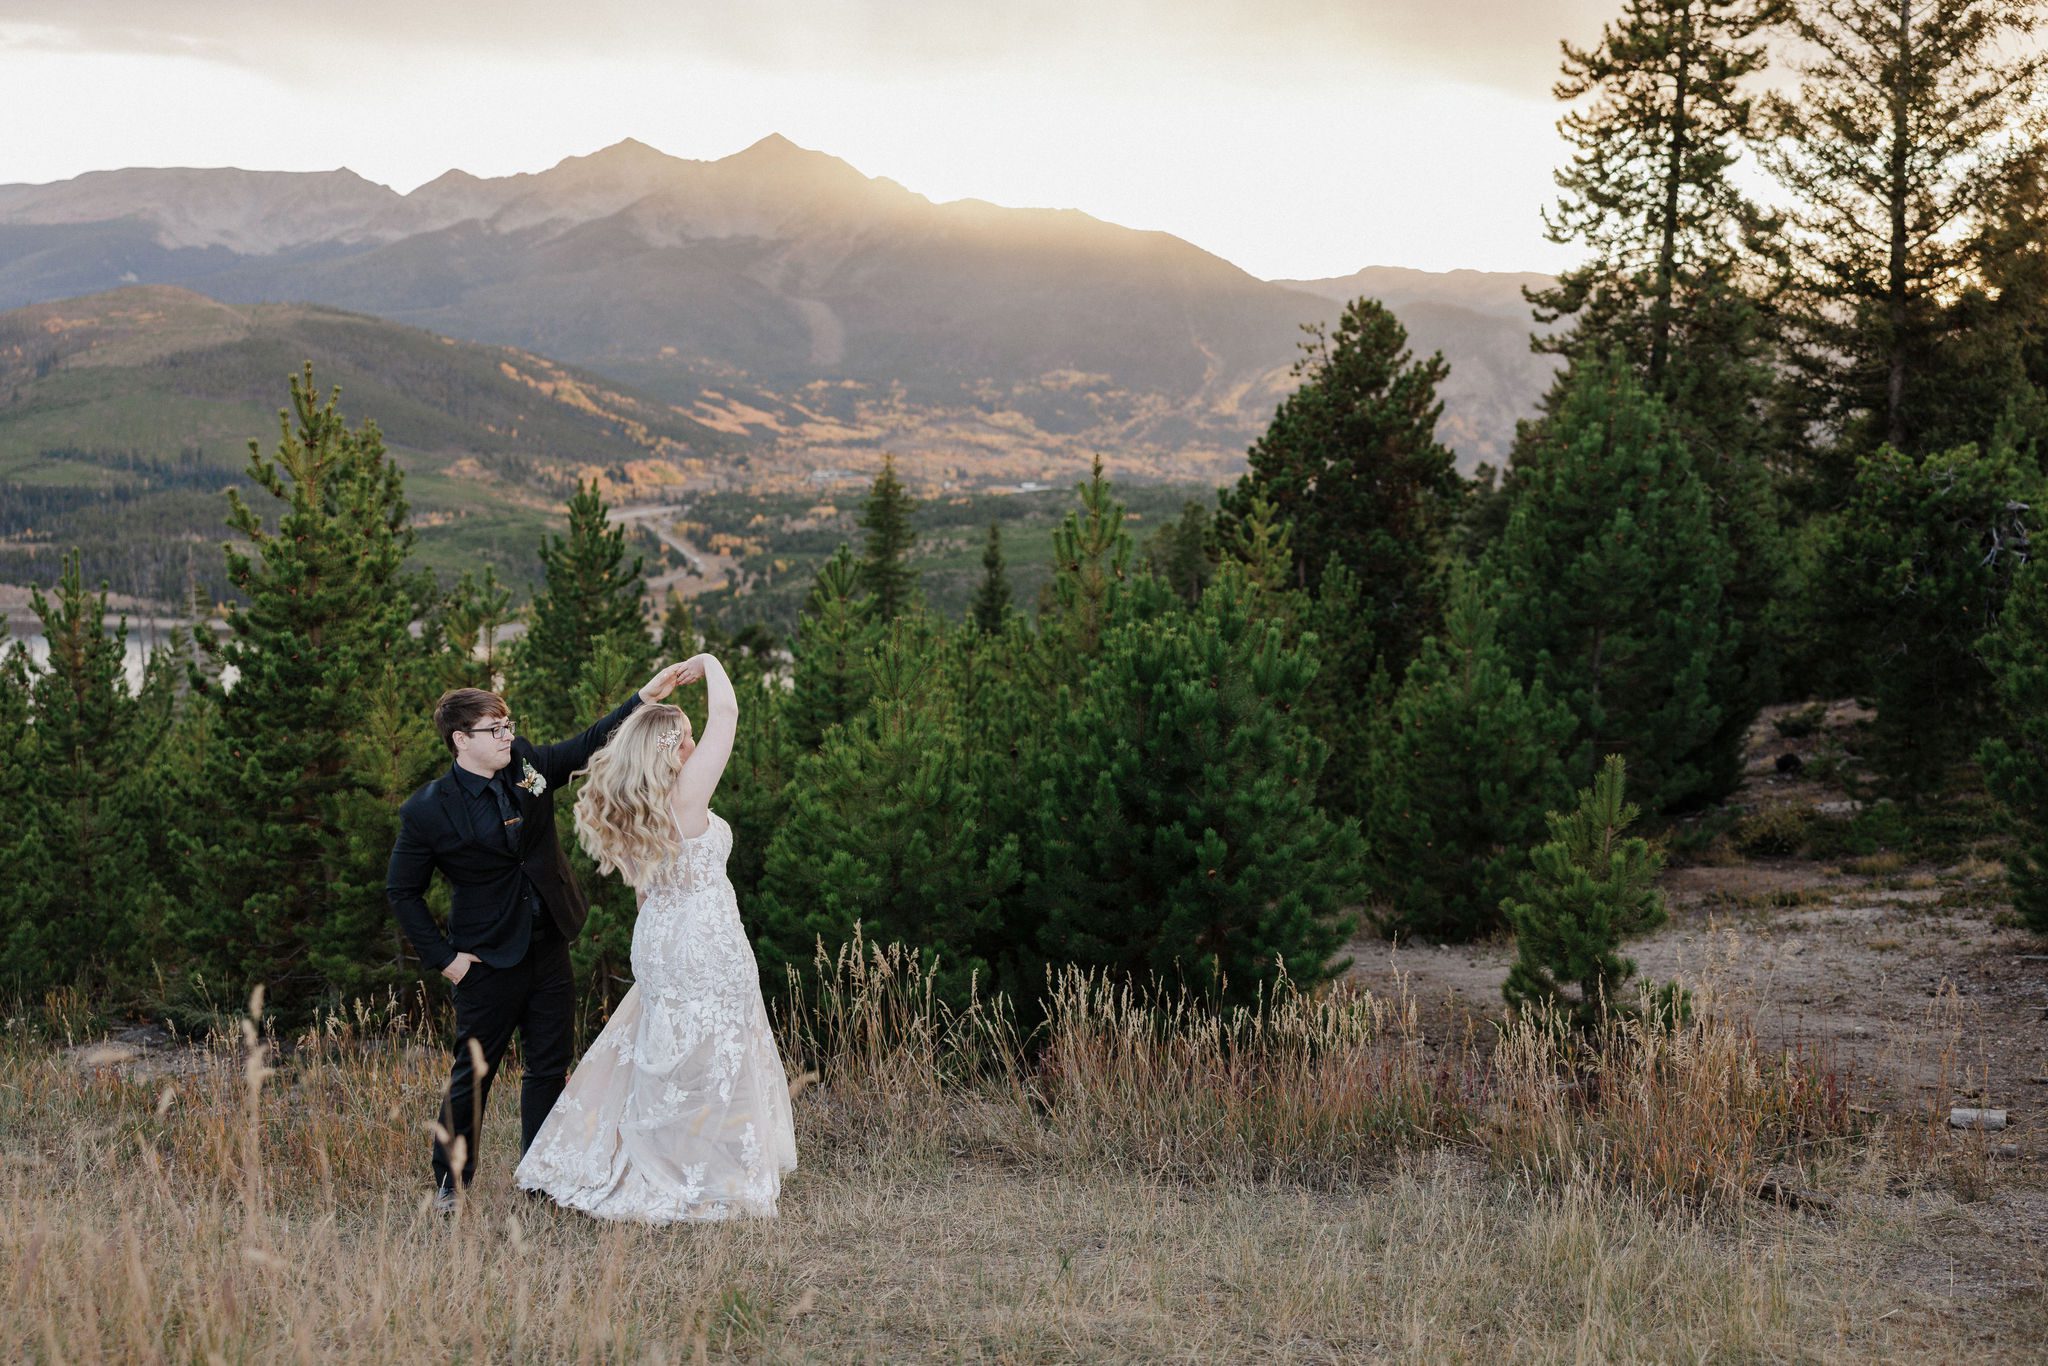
x=1293, y=137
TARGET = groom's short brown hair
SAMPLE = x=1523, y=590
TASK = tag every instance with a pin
x=461, y=708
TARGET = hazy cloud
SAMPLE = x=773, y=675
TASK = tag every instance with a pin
x=1506, y=44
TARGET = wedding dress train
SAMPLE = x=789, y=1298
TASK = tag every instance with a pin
x=680, y=1110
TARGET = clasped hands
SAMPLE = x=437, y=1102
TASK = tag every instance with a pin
x=672, y=677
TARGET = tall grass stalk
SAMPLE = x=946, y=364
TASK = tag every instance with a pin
x=1138, y=1177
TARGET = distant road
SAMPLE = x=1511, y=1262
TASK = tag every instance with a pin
x=702, y=571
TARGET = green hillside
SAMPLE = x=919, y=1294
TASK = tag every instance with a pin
x=125, y=415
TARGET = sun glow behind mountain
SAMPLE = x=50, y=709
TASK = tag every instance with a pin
x=1297, y=138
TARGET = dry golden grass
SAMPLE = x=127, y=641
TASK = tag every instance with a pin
x=1311, y=1181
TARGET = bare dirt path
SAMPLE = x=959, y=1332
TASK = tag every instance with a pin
x=1902, y=972
x=1909, y=978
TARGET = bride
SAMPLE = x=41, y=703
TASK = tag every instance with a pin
x=680, y=1110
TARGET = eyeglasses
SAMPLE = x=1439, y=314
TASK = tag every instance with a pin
x=503, y=730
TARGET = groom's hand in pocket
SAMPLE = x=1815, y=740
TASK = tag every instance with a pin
x=458, y=967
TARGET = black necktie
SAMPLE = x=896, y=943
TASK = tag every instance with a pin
x=508, y=814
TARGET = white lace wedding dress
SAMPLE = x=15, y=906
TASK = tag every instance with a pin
x=680, y=1110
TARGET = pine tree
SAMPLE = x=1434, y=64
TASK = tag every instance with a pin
x=1463, y=765
x=678, y=639
x=1091, y=556
x=1648, y=191
x=393, y=750
x=1919, y=564
x=885, y=574
x=328, y=605
x=1611, y=574
x=753, y=795
x=1262, y=545
x=1351, y=460
x=2015, y=758
x=829, y=673
x=591, y=591
x=1177, y=832
x=881, y=831
x=34, y=879
x=1183, y=552
x=1670, y=248
x=1349, y=689
x=1905, y=117
x=71, y=927
x=992, y=602
x=470, y=620
x=1006, y=699
x=1589, y=887
x=1986, y=380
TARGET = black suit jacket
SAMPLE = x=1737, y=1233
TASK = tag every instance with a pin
x=488, y=915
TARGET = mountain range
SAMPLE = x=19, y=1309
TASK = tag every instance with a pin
x=780, y=301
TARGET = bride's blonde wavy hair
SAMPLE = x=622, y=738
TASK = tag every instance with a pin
x=622, y=814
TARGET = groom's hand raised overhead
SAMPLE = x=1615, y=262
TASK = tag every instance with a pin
x=664, y=683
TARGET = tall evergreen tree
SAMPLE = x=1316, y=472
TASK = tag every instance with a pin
x=829, y=671
x=1463, y=765
x=74, y=917
x=1589, y=887
x=1649, y=194
x=2015, y=758
x=1893, y=149
x=1183, y=551
x=1611, y=575
x=32, y=883
x=1987, y=378
x=1919, y=564
x=1261, y=545
x=1177, y=831
x=591, y=591
x=1091, y=558
x=1648, y=191
x=470, y=620
x=885, y=572
x=1351, y=460
x=992, y=601
x=328, y=605
x=1345, y=697
x=882, y=831
x=679, y=638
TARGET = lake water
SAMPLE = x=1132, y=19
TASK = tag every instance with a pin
x=147, y=635
x=135, y=657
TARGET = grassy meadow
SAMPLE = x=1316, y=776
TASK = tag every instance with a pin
x=1322, y=1179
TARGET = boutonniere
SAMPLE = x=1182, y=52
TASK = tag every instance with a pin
x=530, y=779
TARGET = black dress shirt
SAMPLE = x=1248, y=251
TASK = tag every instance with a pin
x=490, y=803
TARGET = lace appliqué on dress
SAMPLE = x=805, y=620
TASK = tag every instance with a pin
x=680, y=1110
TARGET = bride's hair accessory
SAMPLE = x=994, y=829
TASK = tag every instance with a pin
x=669, y=738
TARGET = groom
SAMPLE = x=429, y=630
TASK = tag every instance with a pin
x=488, y=824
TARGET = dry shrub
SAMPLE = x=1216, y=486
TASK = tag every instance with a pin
x=1687, y=1114
x=1303, y=1087
x=1774, y=830
x=896, y=1067
x=1309, y=1087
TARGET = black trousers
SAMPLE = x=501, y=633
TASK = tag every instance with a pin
x=537, y=998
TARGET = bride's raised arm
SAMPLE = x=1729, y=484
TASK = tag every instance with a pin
x=706, y=764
